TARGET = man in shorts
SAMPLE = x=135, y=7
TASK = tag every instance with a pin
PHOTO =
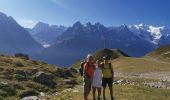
x=108, y=76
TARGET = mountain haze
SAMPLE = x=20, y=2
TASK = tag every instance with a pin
x=45, y=33
x=14, y=38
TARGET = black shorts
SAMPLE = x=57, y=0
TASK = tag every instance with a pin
x=106, y=81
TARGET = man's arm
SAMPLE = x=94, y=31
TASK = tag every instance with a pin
x=112, y=70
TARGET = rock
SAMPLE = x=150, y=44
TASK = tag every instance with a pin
x=20, y=75
x=122, y=81
x=28, y=93
x=73, y=70
x=71, y=82
x=42, y=94
x=64, y=73
x=3, y=83
x=23, y=56
x=18, y=64
x=32, y=71
x=57, y=93
x=31, y=98
x=75, y=91
x=35, y=62
x=1, y=98
x=21, y=72
x=44, y=78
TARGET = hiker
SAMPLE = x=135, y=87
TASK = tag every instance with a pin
x=88, y=75
x=97, y=80
x=108, y=76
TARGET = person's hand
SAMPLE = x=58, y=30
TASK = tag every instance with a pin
x=112, y=79
x=83, y=78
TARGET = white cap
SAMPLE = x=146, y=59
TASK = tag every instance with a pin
x=89, y=55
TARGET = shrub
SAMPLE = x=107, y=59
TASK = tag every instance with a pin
x=19, y=77
x=7, y=90
x=18, y=86
x=23, y=56
x=18, y=64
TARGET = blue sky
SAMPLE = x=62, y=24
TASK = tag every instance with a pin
x=107, y=12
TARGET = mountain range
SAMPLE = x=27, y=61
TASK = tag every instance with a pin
x=80, y=39
x=62, y=45
x=45, y=34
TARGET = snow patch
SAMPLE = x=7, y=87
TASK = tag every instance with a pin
x=155, y=33
x=46, y=45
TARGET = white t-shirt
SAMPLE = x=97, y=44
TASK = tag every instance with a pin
x=97, y=78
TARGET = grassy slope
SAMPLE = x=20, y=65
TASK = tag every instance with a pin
x=8, y=71
x=139, y=65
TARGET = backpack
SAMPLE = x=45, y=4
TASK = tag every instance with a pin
x=81, y=69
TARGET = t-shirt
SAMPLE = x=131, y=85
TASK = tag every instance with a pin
x=106, y=71
x=89, y=69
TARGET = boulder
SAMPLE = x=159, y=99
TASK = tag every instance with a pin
x=31, y=98
x=64, y=73
x=45, y=79
x=28, y=93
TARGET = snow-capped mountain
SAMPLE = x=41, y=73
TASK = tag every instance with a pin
x=81, y=39
x=14, y=38
x=45, y=33
x=63, y=46
x=150, y=33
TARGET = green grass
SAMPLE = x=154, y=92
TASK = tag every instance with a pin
x=123, y=92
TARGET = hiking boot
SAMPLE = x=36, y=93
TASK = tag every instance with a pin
x=104, y=98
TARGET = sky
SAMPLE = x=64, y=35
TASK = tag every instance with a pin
x=108, y=12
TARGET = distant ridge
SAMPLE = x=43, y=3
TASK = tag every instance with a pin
x=110, y=53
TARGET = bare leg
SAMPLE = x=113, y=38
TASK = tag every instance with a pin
x=111, y=93
x=104, y=97
x=99, y=92
x=94, y=93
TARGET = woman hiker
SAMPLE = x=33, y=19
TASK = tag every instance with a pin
x=97, y=80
